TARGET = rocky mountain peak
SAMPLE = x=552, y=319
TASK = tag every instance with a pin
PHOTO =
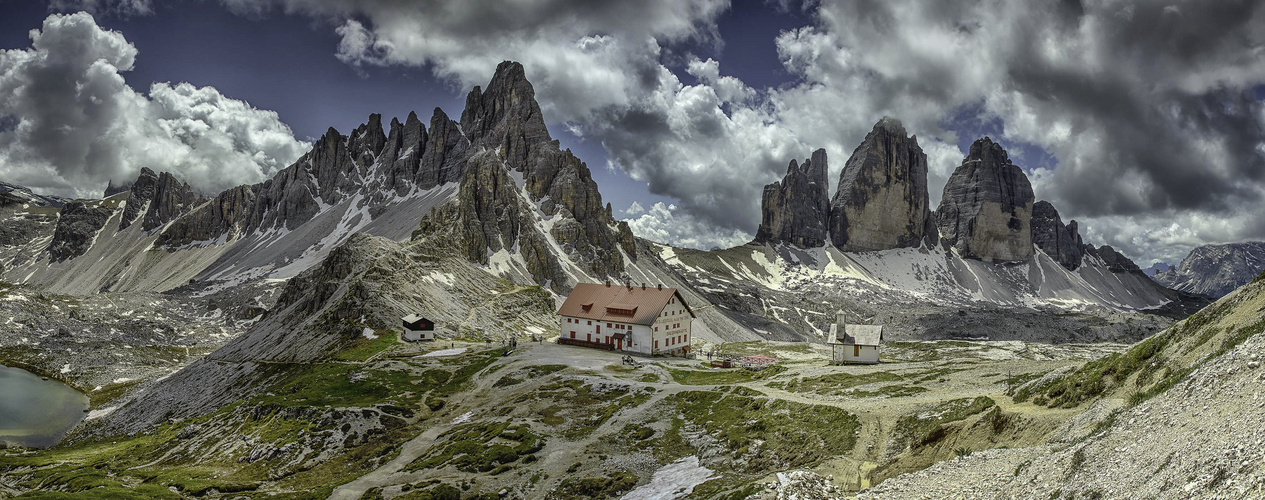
x=986, y=210
x=112, y=189
x=796, y=210
x=506, y=115
x=160, y=197
x=882, y=200
x=1061, y=242
x=505, y=119
x=986, y=150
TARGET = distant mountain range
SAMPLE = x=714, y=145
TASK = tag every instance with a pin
x=1215, y=270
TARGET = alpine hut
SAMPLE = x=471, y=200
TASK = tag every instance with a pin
x=418, y=328
x=635, y=319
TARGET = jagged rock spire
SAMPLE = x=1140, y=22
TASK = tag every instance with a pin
x=1061, y=242
x=797, y=209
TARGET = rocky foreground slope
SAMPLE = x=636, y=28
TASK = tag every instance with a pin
x=1215, y=270
x=1177, y=416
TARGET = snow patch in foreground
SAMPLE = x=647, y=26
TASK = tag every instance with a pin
x=369, y=333
x=95, y=414
x=445, y=352
x=465, y=417
x=674, y=480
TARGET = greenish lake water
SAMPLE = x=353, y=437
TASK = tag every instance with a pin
x=36, y=413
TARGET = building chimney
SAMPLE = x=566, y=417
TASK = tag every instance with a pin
x=643, y=285
x=608, y=283
x=661, y=286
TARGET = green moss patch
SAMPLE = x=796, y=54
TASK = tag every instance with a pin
x=482, y=447
x=771, y=434
x=610, y=486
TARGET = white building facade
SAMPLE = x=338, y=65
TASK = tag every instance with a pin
x=635, y=319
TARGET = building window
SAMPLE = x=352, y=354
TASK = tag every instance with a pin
x=608, y=325
x=590, y=323
x=656, y=344
x=656, y=328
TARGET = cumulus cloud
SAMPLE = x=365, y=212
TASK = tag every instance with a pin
x=666, y=223
x=76, y=124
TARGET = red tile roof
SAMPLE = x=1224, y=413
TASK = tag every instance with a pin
x=636, y=305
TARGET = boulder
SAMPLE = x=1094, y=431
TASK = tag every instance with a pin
x=796, y=210
x=986, y=210
x=882, y=200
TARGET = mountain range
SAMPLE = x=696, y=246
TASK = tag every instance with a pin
x=1215, y=270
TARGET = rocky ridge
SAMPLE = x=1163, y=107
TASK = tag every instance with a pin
x=1215, y=270
x=538, y=204
x=986, y=210
x=796, y=210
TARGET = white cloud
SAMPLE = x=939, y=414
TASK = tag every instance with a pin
x=666, y=223
x=78, y=124
x=634, y=209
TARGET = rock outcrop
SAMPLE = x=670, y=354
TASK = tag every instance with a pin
x=797, y=209
x=161, y=198
x=986, y=210
x=225, y=216
x=77, y=226
x=882, y=200
x=1216, y=270
x=1061, y=242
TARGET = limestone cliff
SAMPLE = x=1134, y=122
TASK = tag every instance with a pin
x=77, y=226
x=986, y=210
x=882, y=201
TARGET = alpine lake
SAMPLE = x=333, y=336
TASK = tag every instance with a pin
x=36, y=412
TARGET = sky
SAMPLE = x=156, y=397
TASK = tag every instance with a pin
x=1143, y=121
